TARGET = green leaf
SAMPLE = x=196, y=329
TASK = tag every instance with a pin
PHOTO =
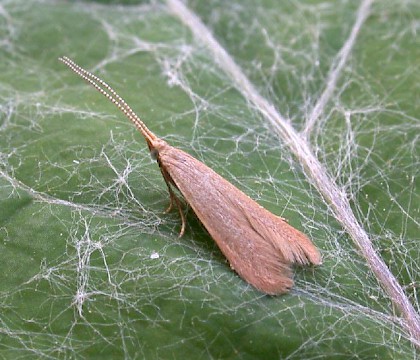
x=91, y=265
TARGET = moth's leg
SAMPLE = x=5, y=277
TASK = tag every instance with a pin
x=174, y=200
x=181, y=213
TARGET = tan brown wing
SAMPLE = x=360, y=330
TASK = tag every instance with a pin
x=260, y=246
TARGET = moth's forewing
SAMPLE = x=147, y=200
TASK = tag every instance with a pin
x=259, y=245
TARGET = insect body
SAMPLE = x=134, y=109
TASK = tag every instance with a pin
x=260, y=246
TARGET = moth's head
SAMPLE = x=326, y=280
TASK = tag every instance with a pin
x=155, y=146
x=154, y=153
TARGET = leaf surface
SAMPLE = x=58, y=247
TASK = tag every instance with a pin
x=91, y=266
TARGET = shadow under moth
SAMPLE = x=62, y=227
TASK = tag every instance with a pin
x=260, y=246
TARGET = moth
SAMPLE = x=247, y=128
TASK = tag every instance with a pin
x=260, y=246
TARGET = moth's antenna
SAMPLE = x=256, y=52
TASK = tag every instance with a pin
x=112, y=96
